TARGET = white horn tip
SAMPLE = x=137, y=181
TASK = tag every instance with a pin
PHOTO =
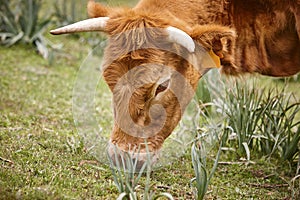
x=54, y=32
x=181, y=38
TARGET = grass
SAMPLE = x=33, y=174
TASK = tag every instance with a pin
x=36, y=125
x=253, y=181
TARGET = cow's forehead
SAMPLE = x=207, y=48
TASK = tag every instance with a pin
x=146, y=65
x=144, y=75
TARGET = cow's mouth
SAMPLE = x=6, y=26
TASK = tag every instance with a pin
x=135, y=160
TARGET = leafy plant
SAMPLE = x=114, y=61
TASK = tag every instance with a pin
x=244, y=113
x=127, y=174
x=22, y=24
x=202, y=174
x=280, y=125
x=261, y=120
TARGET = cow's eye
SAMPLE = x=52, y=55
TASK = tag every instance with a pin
x=162, y=87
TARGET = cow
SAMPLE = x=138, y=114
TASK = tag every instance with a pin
x=152, y=84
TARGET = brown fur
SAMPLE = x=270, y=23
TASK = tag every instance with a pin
x=97, y=10
x=268, y=41
x=268, y=30
x=248, y=35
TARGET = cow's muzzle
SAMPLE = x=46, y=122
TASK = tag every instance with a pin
x=134, y=160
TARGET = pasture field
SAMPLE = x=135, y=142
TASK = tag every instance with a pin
x=43, y=157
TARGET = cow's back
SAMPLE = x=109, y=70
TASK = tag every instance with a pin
x=268, y=30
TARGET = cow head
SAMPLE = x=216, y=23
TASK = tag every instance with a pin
x=152, y=66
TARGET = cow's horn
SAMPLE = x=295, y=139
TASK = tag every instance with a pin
x=93, y=24
x=181, y=37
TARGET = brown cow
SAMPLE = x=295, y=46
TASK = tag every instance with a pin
x=152, y=85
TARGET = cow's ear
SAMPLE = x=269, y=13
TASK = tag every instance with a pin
x=97, y=10
x=218, y=40
x=214, y=37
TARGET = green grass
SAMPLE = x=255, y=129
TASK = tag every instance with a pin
x=36, y=124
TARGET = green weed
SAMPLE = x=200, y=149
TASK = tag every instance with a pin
x=261, y=120
x=23, y=24
x=127, y=174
